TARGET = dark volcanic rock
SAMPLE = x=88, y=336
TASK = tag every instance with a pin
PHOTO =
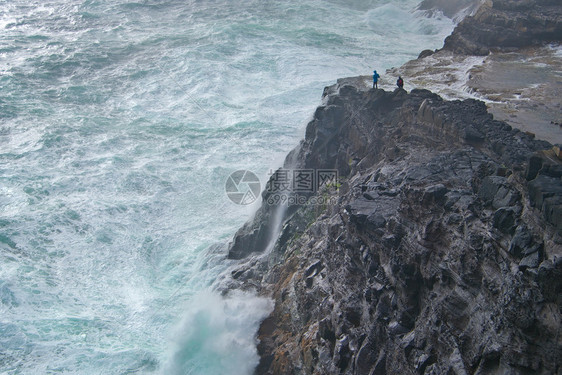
x=425, y=53
x=501, y=24
x=505, y=219
x=545, y=189
x=438, y=255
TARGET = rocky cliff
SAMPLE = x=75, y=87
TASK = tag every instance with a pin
x=442, y=254
x=507, y=24
x=438, y=251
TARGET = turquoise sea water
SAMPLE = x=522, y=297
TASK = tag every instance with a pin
x=119, y=124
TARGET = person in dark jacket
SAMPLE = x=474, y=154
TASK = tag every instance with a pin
x=400, y=82
x=376, y=77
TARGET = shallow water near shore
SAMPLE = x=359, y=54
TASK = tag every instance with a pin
x=120, y=123
x=524, y=89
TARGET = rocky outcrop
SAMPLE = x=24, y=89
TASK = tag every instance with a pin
x=441, y=253
x=504, y=24
x=520, y=86
x=438, y=251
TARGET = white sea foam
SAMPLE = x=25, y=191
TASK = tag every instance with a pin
x=557, y=48
x=218, y=335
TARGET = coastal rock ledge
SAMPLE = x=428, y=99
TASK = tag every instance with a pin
x=506, y=25
x=441, y=252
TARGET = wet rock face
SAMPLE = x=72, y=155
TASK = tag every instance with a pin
x=545, y=189
x=501, y=24
x=443, y=254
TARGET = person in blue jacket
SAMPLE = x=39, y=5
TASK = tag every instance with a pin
x=376, y=77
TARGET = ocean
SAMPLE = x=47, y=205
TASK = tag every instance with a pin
x=120, y=123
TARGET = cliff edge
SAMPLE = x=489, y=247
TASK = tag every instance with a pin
x=441, y=255
x=438, y=250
